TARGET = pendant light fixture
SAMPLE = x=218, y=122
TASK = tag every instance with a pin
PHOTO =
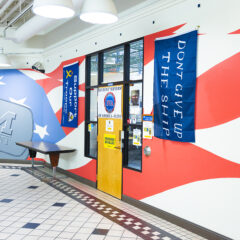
x=4, y=60
x=56, y=9
x=99, y=11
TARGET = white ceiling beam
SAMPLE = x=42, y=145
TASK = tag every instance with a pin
x=2, y=1
x=32, y=27
x=5, y=6
x=13, y=9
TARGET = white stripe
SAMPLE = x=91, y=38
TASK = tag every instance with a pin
x=76, y=159
x=222, y=140
x=148, y=87
x=55, y=98
x=213, y=204
x=208, y=44
x=82, y=72
x=81, y=93
x=19, y=101
x=35, y=75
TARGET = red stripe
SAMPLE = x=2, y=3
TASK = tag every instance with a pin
x=49, y=84
x=82, y=87
x=235, y=32
x=87, y=171
x=217, y=95
x=173, y=164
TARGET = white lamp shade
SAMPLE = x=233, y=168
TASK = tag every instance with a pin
x=56, y=9
x=4, y=61
x=99, y=11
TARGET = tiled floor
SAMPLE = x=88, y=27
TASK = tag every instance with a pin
x=66, y=209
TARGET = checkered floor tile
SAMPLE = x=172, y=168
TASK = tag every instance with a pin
x=33, y=208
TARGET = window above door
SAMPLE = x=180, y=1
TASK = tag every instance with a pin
x=113, y=65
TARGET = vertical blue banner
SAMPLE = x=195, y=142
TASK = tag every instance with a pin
x=70, y=95
x=174, y=87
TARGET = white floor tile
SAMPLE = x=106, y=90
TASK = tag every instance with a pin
x=81, y=236
x=4, y=235
x=72, y=221
x=96, y=237
x=115, y=233
x=15, y=237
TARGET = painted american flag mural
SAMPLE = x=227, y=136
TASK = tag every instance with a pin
x=199, y=182
x=42, y=93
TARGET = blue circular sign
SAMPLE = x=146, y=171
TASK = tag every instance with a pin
x=109, y=102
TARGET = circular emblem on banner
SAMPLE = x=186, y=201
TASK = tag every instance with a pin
x=109, y=102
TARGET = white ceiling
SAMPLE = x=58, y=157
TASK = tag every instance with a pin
x=58, y=30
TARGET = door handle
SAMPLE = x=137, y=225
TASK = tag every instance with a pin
x=117, y=147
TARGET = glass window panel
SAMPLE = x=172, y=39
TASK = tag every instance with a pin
x=135, y=147
x=113, y=65
x=94, y=71
x=93, y=104
x=136, y=60
x=135, y=103
x=92, y=129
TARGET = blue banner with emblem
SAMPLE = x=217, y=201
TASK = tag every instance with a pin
x=70, y=95
x=174, y=87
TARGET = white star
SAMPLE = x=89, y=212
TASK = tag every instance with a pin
x=2, y=83
x=41, y=131
x=20, y=101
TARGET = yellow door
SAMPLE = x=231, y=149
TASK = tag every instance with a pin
x=109, y=174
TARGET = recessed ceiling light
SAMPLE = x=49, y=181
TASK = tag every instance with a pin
x=56, y=9
x=99, y=12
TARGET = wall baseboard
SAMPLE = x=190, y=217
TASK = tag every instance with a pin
x=74, y=176
x=201, y=231
x=60, y=170
x=21, y=161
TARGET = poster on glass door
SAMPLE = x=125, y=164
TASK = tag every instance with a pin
x=110, y=102
x=137, y=137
